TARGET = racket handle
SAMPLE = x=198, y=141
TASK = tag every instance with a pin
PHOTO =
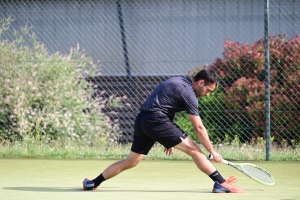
x=223, y=161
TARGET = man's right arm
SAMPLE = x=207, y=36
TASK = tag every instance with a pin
x=203, y=137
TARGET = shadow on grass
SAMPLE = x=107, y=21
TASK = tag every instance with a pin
x=44, y=189
x=106, y=189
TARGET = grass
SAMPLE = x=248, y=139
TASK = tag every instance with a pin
x=80, y=150
x=36, y=179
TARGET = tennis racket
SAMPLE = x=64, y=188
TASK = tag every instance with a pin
x=252, y=171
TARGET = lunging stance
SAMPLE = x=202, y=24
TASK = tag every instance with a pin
x=154, y=123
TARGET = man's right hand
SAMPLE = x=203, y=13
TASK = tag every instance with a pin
x=216, y=156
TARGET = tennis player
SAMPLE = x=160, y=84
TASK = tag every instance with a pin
x=154, y=123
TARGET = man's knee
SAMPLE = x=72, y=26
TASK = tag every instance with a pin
x=193, y=151
x=130, y=163
x=133, y=161
x=188, y=146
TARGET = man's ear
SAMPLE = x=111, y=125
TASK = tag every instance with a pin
x=201, y=82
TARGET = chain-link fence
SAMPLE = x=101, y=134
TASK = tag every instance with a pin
x=135, y=45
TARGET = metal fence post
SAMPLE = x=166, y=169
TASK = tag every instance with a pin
x=124, y=44
x=267, y=71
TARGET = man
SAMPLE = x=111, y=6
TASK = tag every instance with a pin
x=155, y=124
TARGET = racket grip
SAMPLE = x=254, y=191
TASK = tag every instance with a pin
x=222, y=161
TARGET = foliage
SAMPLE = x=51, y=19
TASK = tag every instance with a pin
x=242, y=74
x=238, y=107
x=45, y=97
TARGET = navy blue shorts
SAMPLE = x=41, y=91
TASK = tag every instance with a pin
x=151, y=127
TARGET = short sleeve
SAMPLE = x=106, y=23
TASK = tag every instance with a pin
x=190, y=101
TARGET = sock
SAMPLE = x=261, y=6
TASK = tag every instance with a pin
x=97, y=181
x=216, y=176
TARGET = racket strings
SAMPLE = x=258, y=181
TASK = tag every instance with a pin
x=258, y=174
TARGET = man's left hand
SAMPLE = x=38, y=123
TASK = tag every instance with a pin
x=169, y=152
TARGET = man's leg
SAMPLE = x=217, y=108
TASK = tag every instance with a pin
x=221, y=185
x=114, y=169
x=131, y=161
x=192, y=149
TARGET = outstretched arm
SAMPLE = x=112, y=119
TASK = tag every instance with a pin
x=203, y=137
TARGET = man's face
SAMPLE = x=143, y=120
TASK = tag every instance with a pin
x=204, y=90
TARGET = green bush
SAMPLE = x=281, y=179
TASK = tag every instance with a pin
x=45, y=96
x=242, y=75
x=238, y=108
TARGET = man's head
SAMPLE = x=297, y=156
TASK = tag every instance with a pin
x=204, y=82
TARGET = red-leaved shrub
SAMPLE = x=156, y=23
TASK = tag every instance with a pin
x=242, y=73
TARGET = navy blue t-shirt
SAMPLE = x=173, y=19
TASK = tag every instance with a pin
x=173, y=95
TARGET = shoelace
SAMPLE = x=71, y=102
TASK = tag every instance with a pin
x=231, y=180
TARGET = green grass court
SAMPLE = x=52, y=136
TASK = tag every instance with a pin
x=30, y=179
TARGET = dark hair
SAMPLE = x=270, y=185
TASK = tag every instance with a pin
x=208, y=75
